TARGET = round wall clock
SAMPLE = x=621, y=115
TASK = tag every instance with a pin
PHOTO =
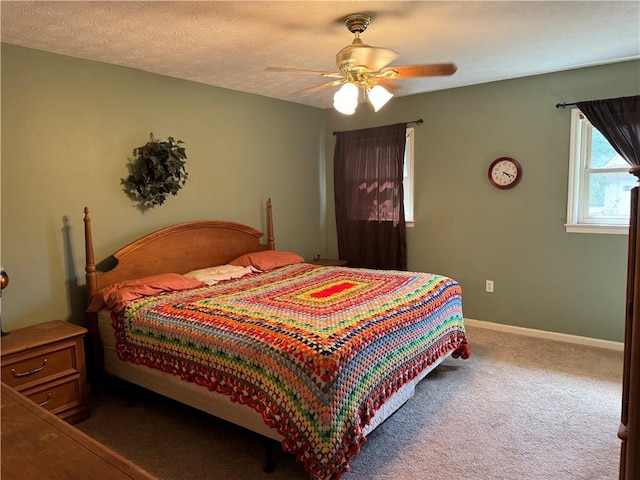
x=505, y=172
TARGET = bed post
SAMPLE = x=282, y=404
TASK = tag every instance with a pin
x=95, y=345
x=90, y=264
x=270, y=238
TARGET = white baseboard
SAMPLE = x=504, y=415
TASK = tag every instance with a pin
x=561, y=337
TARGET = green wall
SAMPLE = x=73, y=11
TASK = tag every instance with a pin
x=544, y=277
x=69, y=126
x=68, y=129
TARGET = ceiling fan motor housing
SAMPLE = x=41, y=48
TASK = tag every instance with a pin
x=358, y=57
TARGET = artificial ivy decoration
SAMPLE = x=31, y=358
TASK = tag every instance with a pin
x=157, y=170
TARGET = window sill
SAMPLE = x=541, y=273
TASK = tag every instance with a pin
x=606, y=229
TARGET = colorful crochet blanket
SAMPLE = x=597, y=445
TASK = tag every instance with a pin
x=315, y=350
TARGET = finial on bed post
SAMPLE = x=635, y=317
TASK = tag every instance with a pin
x=270, y=237
x=90, y=265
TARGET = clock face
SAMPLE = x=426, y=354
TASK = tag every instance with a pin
x=505, y=172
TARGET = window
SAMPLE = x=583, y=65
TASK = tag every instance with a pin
x=599, y=182
x=379, y=198
x=407, y=178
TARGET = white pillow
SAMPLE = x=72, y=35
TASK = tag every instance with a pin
x=213, y=275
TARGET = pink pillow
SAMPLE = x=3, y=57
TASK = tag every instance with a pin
x=115, y=296
x=267, y=259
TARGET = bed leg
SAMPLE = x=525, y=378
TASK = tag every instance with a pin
x=134, y=395
x=270, y=463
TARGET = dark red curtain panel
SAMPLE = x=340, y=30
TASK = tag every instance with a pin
x=618, y=119
x=369, y=197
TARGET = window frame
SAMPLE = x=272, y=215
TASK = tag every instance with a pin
x=408, y=179
x=579, y=173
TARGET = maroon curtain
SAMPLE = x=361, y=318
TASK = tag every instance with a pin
x=618, y=119
x=369, y=197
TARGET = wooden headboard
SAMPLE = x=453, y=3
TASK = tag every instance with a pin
x=178, y=248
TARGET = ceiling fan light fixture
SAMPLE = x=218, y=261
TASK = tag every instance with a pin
x=379, y=96
x=344, y=109
x=345, y=100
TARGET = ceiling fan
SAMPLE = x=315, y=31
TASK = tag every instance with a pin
x=363, y=68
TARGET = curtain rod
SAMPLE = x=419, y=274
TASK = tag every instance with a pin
x=417, y=122
x=563, y=105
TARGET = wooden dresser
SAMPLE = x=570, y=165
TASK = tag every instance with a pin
x=38, y=445
x=46, y=363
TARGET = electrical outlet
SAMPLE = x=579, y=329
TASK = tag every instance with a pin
x=489, y=286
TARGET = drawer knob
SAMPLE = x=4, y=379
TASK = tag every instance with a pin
x=30, y=372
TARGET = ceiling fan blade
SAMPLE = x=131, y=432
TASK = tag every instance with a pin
x=322, y=86
x=415, y=71
x=306, y=72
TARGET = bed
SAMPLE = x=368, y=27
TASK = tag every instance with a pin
x=312, y=356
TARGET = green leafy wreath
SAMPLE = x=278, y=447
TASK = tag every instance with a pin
x=157, y=170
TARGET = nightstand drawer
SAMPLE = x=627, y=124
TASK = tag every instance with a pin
x=56, y=396
x=40, y=365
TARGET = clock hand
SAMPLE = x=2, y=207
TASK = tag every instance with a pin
x=507, y=174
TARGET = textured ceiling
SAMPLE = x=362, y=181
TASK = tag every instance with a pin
x=230, y=44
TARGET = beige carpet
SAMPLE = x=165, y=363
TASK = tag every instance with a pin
x=520, y=408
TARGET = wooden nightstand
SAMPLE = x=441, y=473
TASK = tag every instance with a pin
x=46, y=363
x=330, y=262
